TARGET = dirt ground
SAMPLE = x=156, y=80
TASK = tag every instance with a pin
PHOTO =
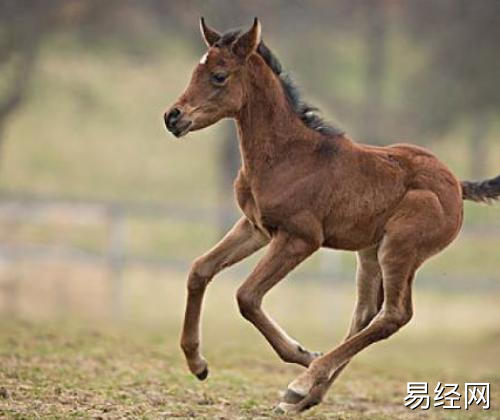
x=73, y=369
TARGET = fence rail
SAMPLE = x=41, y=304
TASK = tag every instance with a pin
x=26, y=209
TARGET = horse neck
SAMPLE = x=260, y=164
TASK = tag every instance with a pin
x=266, y=122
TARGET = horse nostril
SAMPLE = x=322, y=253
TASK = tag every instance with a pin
x=175, y=112
x=172, y=117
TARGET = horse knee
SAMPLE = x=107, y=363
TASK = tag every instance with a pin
x=389, y=324
x=248, y=303
x=406, y=316
x=361, y=319
x=199, y=275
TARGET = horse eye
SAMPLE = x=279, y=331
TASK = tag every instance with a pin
x=219, y=78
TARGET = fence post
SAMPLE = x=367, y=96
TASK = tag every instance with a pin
x=11, y=295
x=116, y=258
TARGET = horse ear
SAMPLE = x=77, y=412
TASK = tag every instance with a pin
x=249, y=41
x=210, y=36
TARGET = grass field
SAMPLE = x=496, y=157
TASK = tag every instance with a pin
x=92, y=128
x=89, y=367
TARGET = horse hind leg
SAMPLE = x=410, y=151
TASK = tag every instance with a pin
x=396, y=311
x=369, y=301
x=419, y=229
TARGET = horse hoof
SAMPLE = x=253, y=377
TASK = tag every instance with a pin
x=203, y=374
x=292, y=397
x=283, y=408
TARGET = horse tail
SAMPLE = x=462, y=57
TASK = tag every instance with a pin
x=482, y=191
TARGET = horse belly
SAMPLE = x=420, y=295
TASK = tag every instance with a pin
x=359, y=223
x=352, y=238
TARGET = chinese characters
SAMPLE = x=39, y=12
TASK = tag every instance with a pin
x=447, y=396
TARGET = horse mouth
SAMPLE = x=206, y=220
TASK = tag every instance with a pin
x=181, y=130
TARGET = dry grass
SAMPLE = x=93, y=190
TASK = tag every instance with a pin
x=93, y=128
x=87, y=366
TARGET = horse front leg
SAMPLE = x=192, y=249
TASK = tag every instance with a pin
x=285, y=253
x=240, y=242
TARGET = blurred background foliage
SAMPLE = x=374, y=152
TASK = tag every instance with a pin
x=101, y=210
x=84, y=84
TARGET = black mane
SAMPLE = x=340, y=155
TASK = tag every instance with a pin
x=307, y=113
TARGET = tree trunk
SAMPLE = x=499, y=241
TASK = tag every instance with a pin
x=19, y=87
x=375, y=71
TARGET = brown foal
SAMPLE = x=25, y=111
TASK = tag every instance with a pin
x=304, y=185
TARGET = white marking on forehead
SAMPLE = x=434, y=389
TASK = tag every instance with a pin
x=203, y=59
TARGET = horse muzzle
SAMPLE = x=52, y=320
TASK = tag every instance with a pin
x=176, y=122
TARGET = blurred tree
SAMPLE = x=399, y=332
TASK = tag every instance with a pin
x=376, y=54
x=21, y=26
x=24, y=25
x=459, y=82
